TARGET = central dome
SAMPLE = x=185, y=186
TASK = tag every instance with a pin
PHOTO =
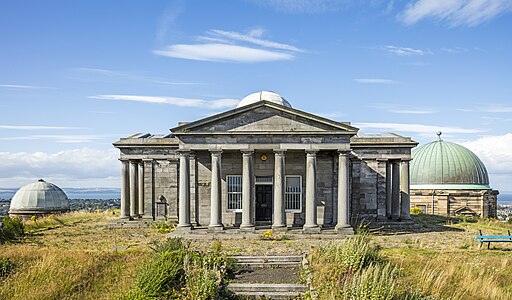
x=264, y=95
x=447, y=165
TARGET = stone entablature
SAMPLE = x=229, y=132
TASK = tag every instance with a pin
x=343, y=177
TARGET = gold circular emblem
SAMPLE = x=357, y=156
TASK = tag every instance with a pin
x=263, y=157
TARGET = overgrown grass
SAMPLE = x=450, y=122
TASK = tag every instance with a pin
x=177, y=272
x=11, y=229
x=67, y=219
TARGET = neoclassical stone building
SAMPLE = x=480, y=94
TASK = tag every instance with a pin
x=265, y=163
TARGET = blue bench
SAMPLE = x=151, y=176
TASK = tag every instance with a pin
x=493, y=239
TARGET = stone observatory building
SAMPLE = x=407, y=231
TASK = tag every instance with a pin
x=37, y=199
x=448, y=179
x=265, y=163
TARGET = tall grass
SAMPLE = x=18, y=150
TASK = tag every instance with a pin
x=67, y=219
x=11, y=229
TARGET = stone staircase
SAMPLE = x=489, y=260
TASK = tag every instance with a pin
x=269, y=277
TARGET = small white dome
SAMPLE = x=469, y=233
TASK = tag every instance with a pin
x=264, y=95
x=39, y=197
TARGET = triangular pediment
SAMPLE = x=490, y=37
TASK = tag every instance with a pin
x=264, y=116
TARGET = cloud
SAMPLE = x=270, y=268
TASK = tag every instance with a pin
x=376, y=81
x=61, y=138
x=229, y=46
x=70, y=168
x=497, y=108
x=455, y=12
x=495, y=152
x=405, y=51
x=36, y=127
x=303, y=6
x=184, y=102
x=404, y=109
x=22, y=87
x=416, y=128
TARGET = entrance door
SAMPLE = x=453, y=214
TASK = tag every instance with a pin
x=264, y=202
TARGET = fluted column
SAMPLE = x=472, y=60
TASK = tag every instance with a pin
x=343, y=191
x=247, y=191
x=405, y=191
x=184, y=192
x=395, y=190
x=216, y=193
x=134, y=207
x=388, y=190
x=125, y=190
x=140, y=188
x=310, y=224
x=279, y=191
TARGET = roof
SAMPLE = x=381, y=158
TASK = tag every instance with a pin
x=39, y=196
x=445, y=165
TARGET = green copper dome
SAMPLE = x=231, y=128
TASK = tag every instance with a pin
x=446, y=165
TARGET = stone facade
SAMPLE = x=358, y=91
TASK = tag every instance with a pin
x=344, y=178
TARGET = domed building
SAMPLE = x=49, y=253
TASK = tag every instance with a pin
x=38, y=198
x=265, y=163
x=448, y=179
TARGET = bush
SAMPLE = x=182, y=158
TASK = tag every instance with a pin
x=6, y=267
x=416, y=211
x=11, y=229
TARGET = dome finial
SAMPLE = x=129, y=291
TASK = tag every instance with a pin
x=439, y=135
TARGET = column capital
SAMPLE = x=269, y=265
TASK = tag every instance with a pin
x=279, y=151
x=133, y=162
x=124, y=160
x=183, y=152
x=311, y=152
x=215, y=152
x=344, y=152
x=247, y=152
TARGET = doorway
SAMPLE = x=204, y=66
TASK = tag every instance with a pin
x=264, y=203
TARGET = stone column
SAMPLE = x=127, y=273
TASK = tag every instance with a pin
x=125, y=190
x=310, y=224
x=140, y=188
x=395, y=190
x=184, y=192
x=247, y=191
x=388, y=190
x=279, y=191
x=216, y=193
x=148, y=190
x=405, y=191
x=343, y=192
x=134, y=207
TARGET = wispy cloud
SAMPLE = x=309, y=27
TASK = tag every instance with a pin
x=406, y=51
x=230, y=46
x=22, y=87
x=497, y=108
x=133, y=76
x=64, y=138
x=455, y=12
x=303, y=6
x=417, y=128
x=36, y=127
x=404, y=109
x=376, y=81
x=185, y=102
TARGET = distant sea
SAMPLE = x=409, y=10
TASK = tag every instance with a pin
x=76, y=193
x=505, y=199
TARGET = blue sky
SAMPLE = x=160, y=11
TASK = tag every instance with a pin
x=77, y=75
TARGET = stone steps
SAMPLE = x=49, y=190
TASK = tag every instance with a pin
x=268, y=261
x=268, y=290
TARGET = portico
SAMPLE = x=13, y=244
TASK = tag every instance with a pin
x=265, y=164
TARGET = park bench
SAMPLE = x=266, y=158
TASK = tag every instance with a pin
x=493, y=239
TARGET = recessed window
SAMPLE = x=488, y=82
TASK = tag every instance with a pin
x=234, y=192
x=293, y=193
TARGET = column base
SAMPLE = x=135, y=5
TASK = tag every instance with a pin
x=344, y=229
x=279, y=228
x=124, y=217
x=184, y=228
x=215, y=228
x=247, y=228
x=311, y=229
x=148, y=218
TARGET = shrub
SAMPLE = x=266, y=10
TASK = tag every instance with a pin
x=375, y=282
x=416, y=211
x=6, y=267
x=12, y=228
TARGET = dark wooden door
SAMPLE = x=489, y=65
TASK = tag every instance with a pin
x=264, y=202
